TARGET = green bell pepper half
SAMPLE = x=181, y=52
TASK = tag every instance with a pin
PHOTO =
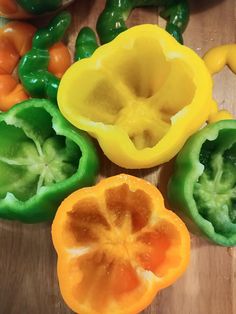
x=39, y=7
x=112, y=20
x=203, y=185
x=33, y=67
x=43, y=159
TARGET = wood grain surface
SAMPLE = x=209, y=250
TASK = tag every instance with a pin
x=28, y=281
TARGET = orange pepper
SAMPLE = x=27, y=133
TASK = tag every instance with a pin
x=60, y=59
x=117, y=246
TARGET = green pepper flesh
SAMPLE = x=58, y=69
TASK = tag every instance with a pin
x=203, y=186
x=42, y=160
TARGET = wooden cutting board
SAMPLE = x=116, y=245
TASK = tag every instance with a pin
x=28, y=281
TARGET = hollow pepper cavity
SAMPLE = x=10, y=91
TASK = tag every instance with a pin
x=203, y=185
x=159, y=94
x=42, y=160
x=117, y=246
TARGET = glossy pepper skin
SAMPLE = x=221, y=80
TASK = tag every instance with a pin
x=112, y=20
x=203, y=185
x=42, y=160
x=39, y=7
x=117, y=246
x=33, y=67
x=86, y=43
x=159, y=94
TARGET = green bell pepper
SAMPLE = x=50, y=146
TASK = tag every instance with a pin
x=112, y=20
x=39, y=7
x=42, y=160
x=33, y=67
x=203, y=185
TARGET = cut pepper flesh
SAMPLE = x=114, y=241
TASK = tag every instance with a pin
x=42, y=160
x=119, y=247
x=215, y=191
x=203, y=185
x=33, y=156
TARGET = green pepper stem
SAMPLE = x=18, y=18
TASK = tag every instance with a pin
x=86, y=43
x=112, y=20
x=33, y=67
x=39, y=7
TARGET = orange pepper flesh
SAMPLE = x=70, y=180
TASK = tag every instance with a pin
x=117, y=246
x=60, y=59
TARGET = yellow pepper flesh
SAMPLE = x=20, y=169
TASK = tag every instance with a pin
x=142, y=95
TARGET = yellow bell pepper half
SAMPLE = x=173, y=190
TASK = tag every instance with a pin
x=141, y=96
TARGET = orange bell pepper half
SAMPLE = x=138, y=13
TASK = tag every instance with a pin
x=117, y=246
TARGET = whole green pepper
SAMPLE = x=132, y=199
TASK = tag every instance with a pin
x=203, y=185
x=112, y=20
x=86, y=43
x=39, y=7
x=42, y=160
x=33, y=67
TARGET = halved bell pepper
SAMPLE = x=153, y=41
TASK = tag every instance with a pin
x=141, y=95
x=117, y=246
x=42, y=160
x=203, y=185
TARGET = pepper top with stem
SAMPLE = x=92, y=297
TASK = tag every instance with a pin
x=33, y=68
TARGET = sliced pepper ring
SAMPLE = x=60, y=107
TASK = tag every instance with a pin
x=203, y=185
x=117, y=246
x=216, y=59
x=42, y=160
x=141, y=90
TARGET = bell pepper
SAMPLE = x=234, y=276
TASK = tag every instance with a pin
x=112, y=20
x=29, y=8
x=33, y=67
x=216, y=59
x=159, y=94
x=42, y=160
x=203, y=185
x=117, y=246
